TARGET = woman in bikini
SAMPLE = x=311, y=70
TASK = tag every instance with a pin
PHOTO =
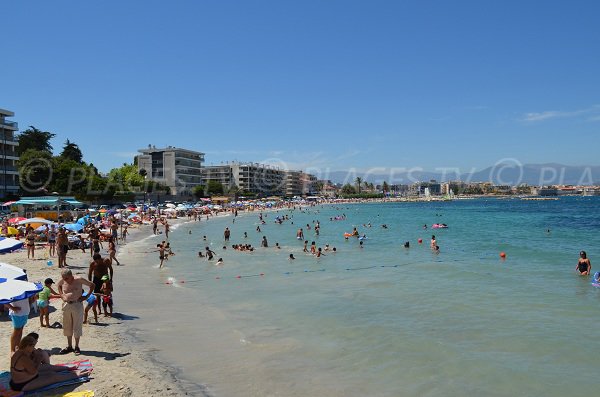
x=30, y=238
x=28, y=375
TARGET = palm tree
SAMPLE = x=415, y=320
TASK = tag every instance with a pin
x=385, y=187
x=358, y=182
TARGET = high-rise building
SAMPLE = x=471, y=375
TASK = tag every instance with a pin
x=178, y=169
x=9, y=173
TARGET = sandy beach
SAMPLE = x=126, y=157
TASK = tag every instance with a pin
x=119, y=369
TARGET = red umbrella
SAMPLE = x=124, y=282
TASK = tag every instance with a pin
x=16, y=220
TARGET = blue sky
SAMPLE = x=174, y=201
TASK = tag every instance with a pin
x=310, y=84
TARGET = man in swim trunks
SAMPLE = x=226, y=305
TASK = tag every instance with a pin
x=70, y=289
x=584, y=266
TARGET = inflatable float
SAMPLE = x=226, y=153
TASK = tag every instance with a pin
x=439, y=226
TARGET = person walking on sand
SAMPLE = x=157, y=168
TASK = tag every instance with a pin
x=70, y=289
x=112, y=251
x=584, y=266
x=62, y=243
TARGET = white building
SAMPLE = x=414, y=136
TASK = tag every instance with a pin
x=178, y=169
x=260, y=179
x=9, y=173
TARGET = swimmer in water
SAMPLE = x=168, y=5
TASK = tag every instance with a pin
x=292, y=257
x=584, y=266
x=219, y=262
x=433, y=242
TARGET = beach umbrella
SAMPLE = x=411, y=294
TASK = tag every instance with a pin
x=40, y=221
x=12, y=231
x=9, y=203
x=74, y=227
x=84, y=220
x=16, y=220
x=10, y=272
x=15, y=290
x=9, y=244
x=170, y=205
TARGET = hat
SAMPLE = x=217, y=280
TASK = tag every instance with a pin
x=48, y=281
x=105, y=277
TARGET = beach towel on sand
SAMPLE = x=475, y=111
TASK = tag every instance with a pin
x=81, y=365
x=84, y=393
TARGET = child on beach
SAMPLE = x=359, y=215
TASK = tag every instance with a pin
x=43, y=301
x=107, y=300
x=161, y=254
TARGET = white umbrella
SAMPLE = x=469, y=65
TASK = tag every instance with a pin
x=170, y=205
x=11, y=272
x=14, y=290
x=9, y=245
x=36, y=220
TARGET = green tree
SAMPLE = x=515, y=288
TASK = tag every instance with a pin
x=385, y=187
x=358, y=182
x=71, y=151
x=234, y=191
x=198, y=191
x=348, y=189
x=318, y=186
x=214, y=188
x=35, y=171
x=32, y=138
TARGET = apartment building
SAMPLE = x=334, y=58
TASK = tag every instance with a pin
x=178, y=169
x=9, y=173
x=262, y=180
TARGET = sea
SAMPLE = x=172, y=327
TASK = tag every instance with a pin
x=376, y=319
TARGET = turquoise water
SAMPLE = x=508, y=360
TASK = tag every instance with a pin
x=380, y=320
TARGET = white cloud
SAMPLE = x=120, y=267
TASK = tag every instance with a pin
x=593, y=112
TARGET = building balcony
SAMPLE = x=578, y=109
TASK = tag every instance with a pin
x=13, y=125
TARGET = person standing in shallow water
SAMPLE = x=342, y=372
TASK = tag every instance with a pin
x=584, y=266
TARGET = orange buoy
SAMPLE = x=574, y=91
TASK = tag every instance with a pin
x=503, y=255
x=420, y=241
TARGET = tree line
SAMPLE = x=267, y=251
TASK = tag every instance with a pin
x=41, y=172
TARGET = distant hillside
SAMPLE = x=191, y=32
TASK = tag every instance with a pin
x=503, y=174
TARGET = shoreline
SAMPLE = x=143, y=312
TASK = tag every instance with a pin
x=119, y=370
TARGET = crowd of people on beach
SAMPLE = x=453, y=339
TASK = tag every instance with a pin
x=77, y=296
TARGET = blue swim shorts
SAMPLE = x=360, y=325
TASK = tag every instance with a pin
x=42, y=303
x=19, y=321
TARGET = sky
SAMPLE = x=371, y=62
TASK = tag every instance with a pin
x=309, y=84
